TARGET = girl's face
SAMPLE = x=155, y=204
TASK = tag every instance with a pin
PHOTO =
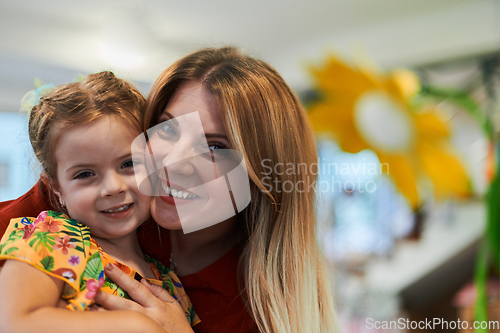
x=96, y=179
x=191, y=158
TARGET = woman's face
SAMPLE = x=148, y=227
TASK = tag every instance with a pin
x=191, y=158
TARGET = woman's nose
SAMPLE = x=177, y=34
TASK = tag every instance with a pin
x=113, y=184
x=180, y=158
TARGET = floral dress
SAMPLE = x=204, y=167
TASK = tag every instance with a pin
x=64, y=249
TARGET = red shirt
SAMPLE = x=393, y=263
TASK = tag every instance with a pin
x=213, y=291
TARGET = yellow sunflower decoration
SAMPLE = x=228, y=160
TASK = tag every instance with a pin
x=366, y=110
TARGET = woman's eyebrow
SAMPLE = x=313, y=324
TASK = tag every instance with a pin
x=205, y=135
x=170, y=118
x=215, y=135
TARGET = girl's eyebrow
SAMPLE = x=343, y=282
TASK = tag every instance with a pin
x=90, y=165
x=78, y=166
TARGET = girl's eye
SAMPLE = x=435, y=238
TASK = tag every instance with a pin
x=84, y=175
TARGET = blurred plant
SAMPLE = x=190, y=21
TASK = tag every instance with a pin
x=363, y=109
x=489, y=251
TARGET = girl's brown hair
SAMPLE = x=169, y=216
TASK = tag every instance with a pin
x=284, y=273
x=80, y=103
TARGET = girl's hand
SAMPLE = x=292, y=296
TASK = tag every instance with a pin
x=153, y=301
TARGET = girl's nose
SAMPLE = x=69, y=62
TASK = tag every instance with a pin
x=113, y=184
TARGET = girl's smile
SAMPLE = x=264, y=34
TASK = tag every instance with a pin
x=95, y=177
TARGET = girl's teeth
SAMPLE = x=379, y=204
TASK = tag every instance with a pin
x=118, y=209
x=178, y=193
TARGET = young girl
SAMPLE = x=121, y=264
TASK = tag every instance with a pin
x=82, y=135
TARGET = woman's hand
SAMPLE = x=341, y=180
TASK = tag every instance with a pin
x=153, y=301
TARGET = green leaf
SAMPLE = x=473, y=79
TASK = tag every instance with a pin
x=493, y=217
x=54, y=213
x=480, y=277
x=44, y=239
x=32, y=242
x=107, y=283
x=9, y=250
x=15, y=235
x=465, y=101
x=73, y=229
x=48, y=263
x=94, y=267
x=74, y=234
x=74, y=223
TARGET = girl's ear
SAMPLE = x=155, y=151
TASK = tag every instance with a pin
x=52, y=185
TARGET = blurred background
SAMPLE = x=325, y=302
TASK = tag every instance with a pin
x=410, y=154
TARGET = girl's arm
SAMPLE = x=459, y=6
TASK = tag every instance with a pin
x=28, y=303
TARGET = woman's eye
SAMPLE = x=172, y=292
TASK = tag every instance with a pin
x=167, y=131
x=128, y=164
x=84, y=175
x=216, y=146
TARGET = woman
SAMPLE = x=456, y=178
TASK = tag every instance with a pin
x=247, y=106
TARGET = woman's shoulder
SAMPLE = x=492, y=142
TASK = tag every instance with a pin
x=29, y=204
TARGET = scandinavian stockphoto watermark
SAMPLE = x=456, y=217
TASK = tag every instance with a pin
x=323, y=177
x=429, y=324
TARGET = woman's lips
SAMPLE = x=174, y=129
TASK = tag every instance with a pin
x=182, y=196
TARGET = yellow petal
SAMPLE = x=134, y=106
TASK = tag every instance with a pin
x=339, y=79
x=338, y=122
x=445, y=170
x=430, y=126
x=401, y=170
x=404, y=84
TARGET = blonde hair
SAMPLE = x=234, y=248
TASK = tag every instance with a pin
x=285, y=275
x=80, y=103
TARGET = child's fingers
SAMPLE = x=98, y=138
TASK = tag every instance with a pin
x=159, y=292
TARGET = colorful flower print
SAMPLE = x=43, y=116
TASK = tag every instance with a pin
x=64, y=245
x=49, y=224
x=125, y=269
x=93, y=287
x=41, y=217
x=29, y=227
x=74, y=260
